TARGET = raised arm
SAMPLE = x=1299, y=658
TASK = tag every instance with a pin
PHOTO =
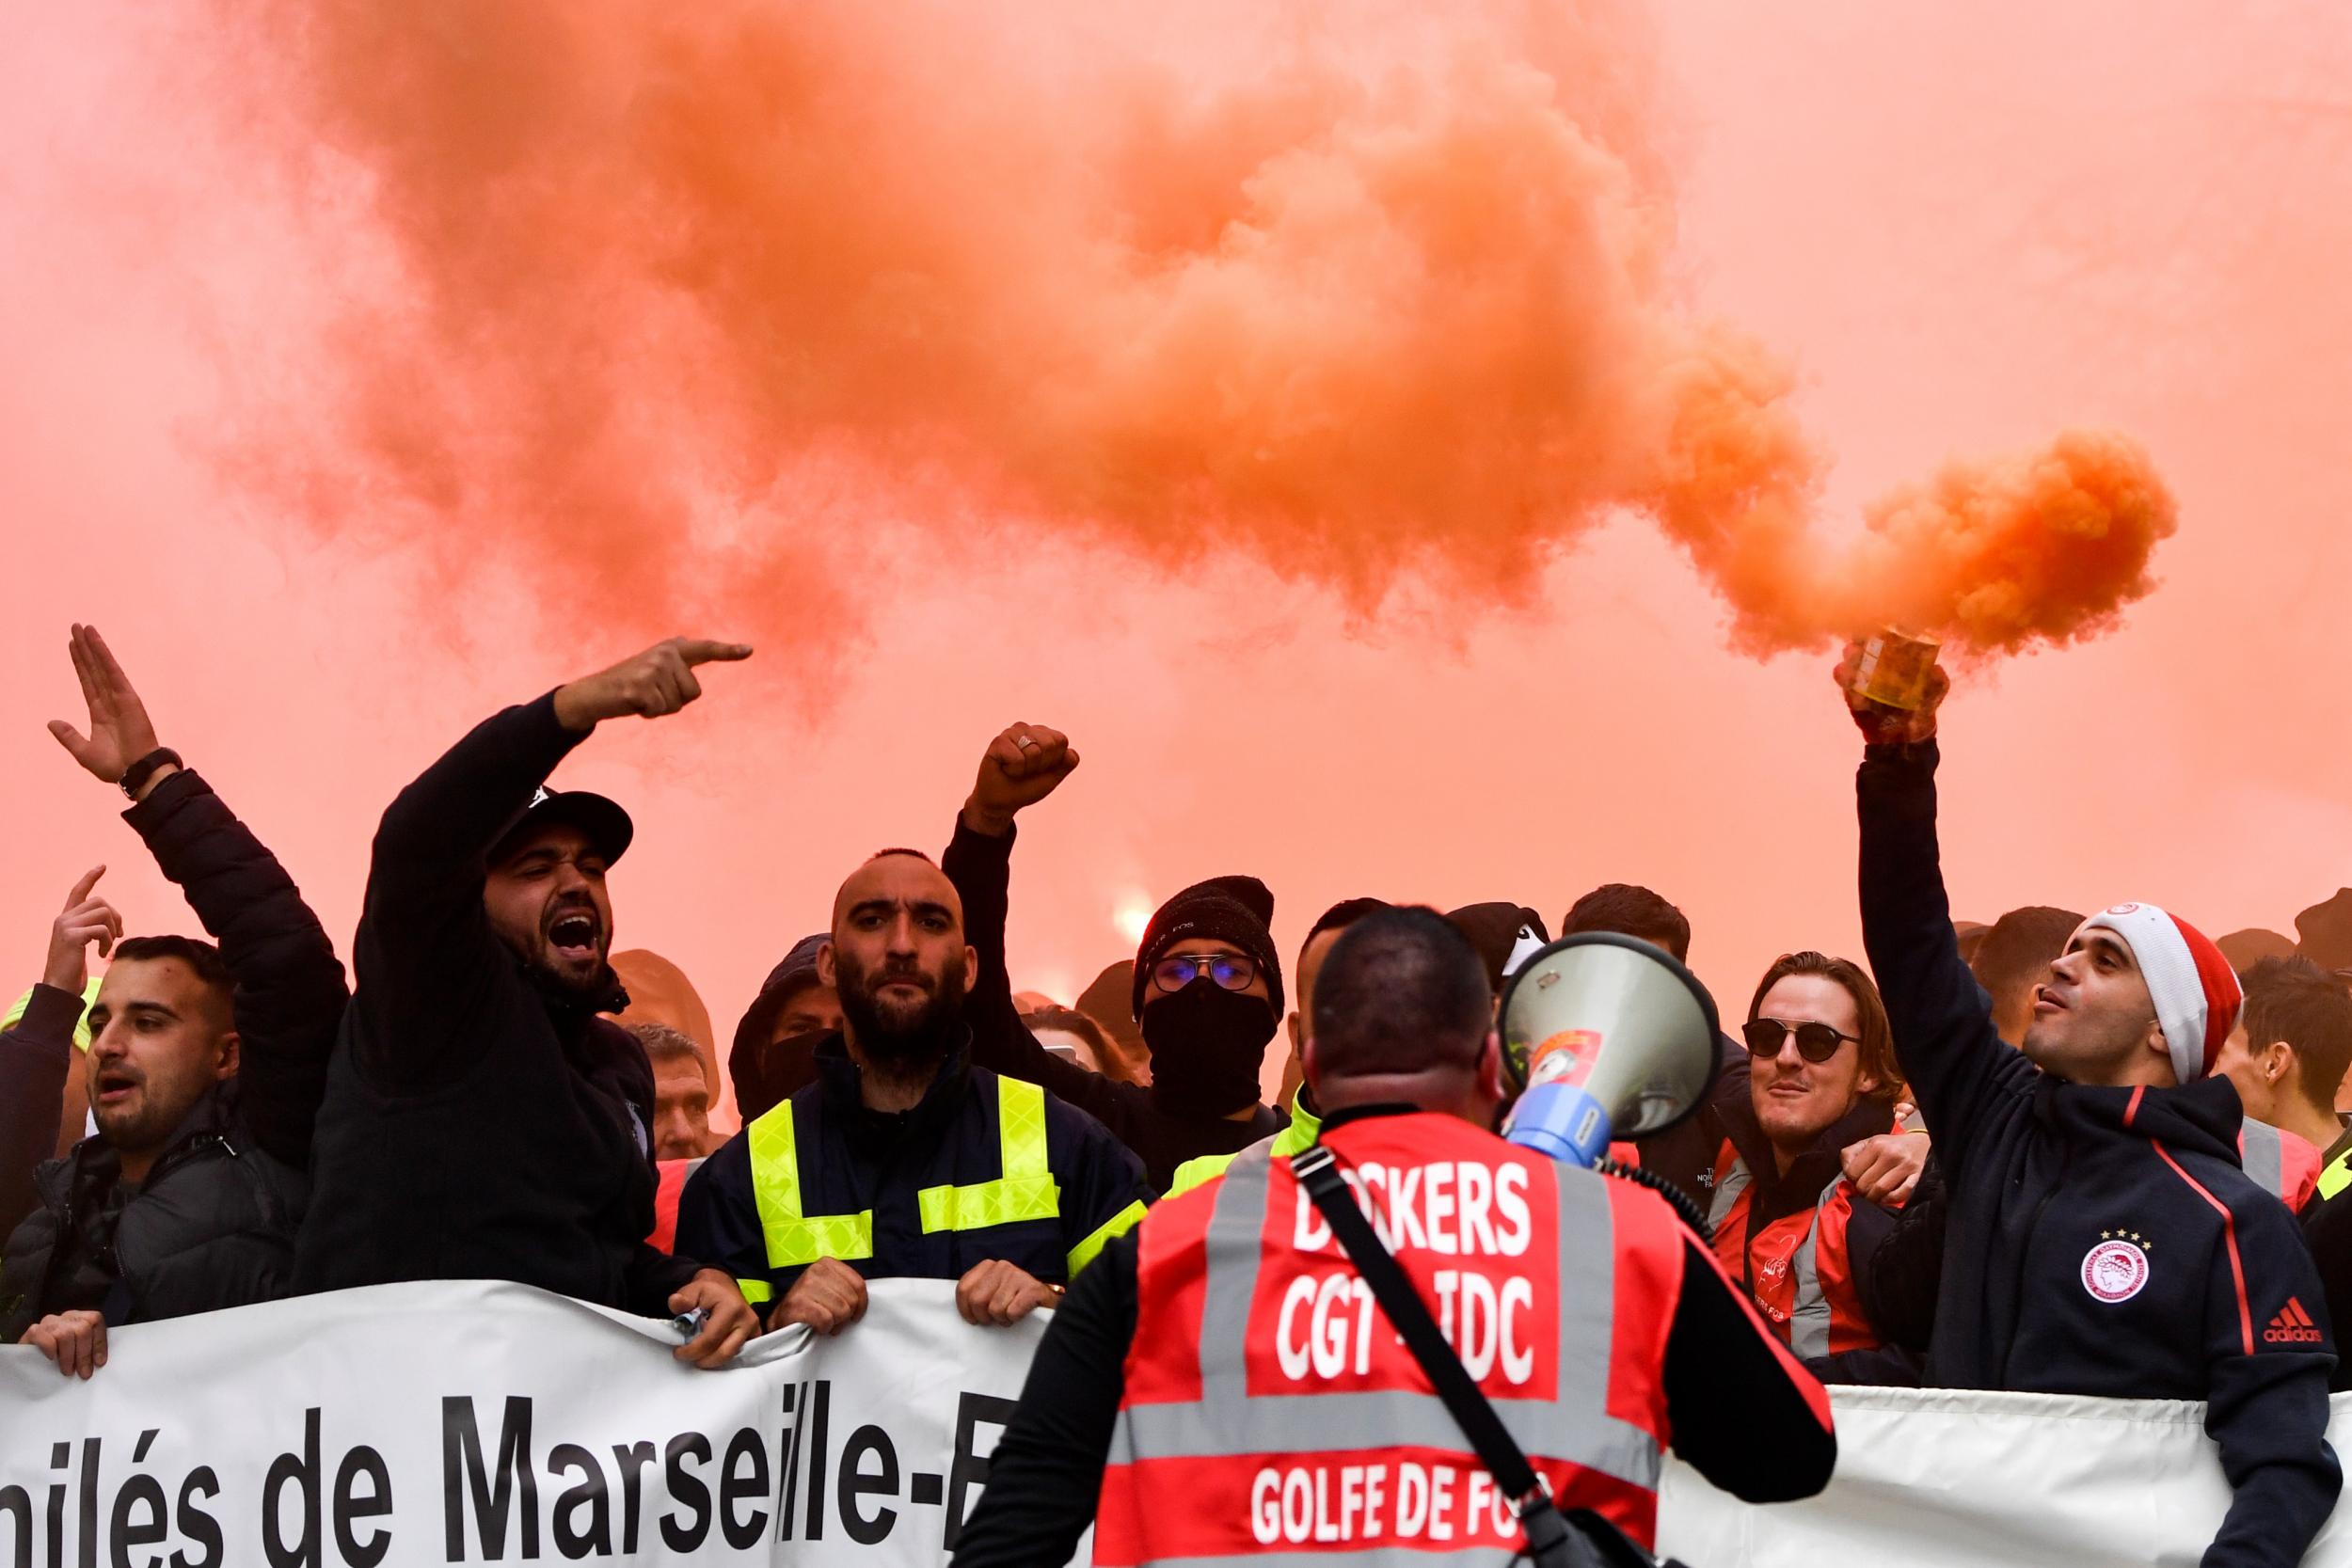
x=1022, y=765
x=422, y=934
x=36, y=1058
x=1950, y=1054
x=289, y=984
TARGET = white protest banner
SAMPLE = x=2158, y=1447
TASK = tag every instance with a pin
x=1947, y=1479
x=482, y=1422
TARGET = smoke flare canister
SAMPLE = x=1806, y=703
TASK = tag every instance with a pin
x=1893, y=669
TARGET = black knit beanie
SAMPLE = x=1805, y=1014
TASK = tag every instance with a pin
x=1237, y=910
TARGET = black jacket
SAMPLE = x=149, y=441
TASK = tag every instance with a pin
x=476, y=1127
x=851, y=1159
x=2102, y=1241
x=981, y=869
x=214, y=1224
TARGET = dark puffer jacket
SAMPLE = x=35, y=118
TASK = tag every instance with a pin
x=214, y=1224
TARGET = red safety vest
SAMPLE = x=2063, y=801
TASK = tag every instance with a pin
x=1271, y=1410
x=2283, y=1163
x=1796, y=1269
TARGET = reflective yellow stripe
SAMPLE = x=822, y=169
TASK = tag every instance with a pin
x=794, y=1238
x=1026, y=1191
x=755, y=1290
x=1117, y=1224
x=2337, y=1177
x=1297, y=1136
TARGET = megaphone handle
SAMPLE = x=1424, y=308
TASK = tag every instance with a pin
x=1685, y=1206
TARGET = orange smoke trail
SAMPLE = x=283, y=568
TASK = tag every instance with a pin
x=1377, y=295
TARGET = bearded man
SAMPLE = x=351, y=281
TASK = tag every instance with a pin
x=483, y=1118
x=903, y=1160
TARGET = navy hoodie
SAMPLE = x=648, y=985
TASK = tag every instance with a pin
x=2108, y=1242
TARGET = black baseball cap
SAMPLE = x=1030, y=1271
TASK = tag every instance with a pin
x=606, y=824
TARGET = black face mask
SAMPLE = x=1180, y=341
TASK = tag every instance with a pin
x=1207, y=1044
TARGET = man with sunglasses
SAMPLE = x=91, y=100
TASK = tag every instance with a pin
x=2103, y=1239
x=1207, y=987
x=1789, y=1225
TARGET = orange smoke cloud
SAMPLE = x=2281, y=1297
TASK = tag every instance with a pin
x=684, y=295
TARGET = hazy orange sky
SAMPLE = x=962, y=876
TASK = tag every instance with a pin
x=1962, y=232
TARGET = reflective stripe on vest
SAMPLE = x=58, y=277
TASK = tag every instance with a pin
x=1024, y=1190
x=1573, y=1425
x=1727, y=1193
x=2337, y=1177
x=793, y=1237
x=2263, y=1155
x=1109, y=1230
x=1810, y=1314
x=1296, y=1137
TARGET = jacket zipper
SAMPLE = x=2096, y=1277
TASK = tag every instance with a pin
x=2017, y=1302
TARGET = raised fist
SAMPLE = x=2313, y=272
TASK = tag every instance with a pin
x=1021, y=766
x=659, y=681
x=1882, y=725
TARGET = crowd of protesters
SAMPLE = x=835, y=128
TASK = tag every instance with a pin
x=2068, y=1153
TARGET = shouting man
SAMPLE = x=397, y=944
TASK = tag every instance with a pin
x=482, y=1120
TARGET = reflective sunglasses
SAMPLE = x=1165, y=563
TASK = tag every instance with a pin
x=1229, y=970
x=1816, y=1042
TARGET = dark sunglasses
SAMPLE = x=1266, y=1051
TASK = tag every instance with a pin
x=1816, y=1042
x=1229, y=970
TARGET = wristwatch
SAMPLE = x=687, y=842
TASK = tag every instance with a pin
x=140, y=771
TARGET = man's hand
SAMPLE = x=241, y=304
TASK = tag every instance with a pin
x=829, y=1296
x=120, y=731
x=1021, y=768
x=997, y=1293
x=1882, y=725
x=88, y=918
x=1884, y=1169
x=731, y=1325
x=76, y=1342
x=659, y=681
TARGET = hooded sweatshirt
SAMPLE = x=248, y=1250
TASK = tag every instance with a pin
x=2112, y=1245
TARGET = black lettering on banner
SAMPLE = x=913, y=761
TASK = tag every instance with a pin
x=17, y=1504
x=687, y=1489
x=361, y=1464
x=301, y=1471
x=743, y=1478
x=821, y=1399
x=461, y=1440
x=88, y=1505
x=60, y=1455
x=632, y=1458
x=970, y=1468
x=199, y=1527
x=139, y=1492
x=788, y=1483
x=867, y=1530
x=589, y=1492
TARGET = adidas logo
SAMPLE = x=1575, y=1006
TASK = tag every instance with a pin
x=2292, y=1326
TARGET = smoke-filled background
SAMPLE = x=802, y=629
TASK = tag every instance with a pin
x=1403, y=446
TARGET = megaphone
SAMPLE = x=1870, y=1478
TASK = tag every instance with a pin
x=1607, y=1037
